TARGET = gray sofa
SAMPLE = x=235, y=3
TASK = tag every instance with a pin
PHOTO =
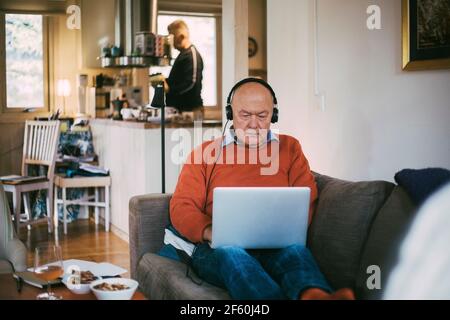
x=13, y=253
x=356, y=225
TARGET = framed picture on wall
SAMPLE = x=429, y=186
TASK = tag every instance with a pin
x=252, y=47
x=426, y=34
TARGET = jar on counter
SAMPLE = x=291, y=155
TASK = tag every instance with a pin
x=143, y=115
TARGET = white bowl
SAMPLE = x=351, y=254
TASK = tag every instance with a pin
x=125, y=294
x=79, y=288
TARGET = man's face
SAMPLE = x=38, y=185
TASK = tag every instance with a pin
x=178, y=38
x=252, y=110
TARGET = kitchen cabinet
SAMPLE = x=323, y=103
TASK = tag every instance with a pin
x=132, y=153
x=97, y=27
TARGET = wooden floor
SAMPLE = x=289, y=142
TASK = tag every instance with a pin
x=84, y=240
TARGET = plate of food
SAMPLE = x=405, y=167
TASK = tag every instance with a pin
x=79, y=281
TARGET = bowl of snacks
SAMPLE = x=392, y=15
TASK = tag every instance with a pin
x=78, y=281
x=114, y=288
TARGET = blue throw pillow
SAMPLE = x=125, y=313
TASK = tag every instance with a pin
x=421, y=183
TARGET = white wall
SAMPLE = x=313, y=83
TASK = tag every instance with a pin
x=97, y=24
x=378, y=119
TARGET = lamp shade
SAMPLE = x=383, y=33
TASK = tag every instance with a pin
x=158, y=98
x=63, y=88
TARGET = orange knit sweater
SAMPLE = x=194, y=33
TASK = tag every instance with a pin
x=188, y=212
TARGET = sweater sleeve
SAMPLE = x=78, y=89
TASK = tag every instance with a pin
x=188, y=201
x=300, y=175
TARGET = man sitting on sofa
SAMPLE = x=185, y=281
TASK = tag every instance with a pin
x=248, y=274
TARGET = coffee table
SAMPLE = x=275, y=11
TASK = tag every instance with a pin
x=8, y=291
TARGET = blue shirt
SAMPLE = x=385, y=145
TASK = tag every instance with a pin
x=230, y=137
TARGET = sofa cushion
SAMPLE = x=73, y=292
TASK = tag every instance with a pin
x=384, y=240
x=161, y=278
x=341, y=223
x=148, y=218
x=5, y=266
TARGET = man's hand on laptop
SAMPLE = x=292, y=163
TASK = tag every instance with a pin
x=207, y=234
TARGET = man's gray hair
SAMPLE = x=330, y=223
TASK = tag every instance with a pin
x=178, y=25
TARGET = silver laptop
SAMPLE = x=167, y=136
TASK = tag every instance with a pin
x=260, y=217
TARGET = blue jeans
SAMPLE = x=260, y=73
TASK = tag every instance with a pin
x=259, y=274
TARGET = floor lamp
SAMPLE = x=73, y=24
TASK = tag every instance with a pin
x=159, y=102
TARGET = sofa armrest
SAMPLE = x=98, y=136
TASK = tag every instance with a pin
x=16, y=254
x=149, y=215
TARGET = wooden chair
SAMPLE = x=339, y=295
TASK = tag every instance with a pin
x=39, y=148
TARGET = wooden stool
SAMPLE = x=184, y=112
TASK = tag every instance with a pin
x=82, y=182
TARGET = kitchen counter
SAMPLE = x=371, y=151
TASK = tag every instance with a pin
x=132, y=152
x=150, y=125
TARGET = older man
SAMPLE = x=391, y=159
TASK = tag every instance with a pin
x=248, y=274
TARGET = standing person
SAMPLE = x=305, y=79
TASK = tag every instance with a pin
x=184, y=85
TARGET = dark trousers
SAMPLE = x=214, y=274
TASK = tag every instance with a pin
x=259, y=274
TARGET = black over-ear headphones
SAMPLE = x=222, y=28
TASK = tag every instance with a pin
x=229, y=109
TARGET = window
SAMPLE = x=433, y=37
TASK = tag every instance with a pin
x=24, y=61
x=202, y=31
